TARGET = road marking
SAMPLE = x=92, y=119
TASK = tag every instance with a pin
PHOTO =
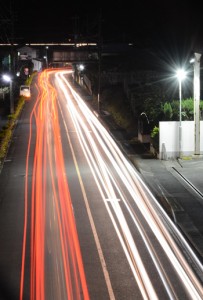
x=112, y=200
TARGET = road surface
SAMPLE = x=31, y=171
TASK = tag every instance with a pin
x=76, y=219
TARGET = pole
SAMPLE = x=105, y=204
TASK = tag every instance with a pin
x=180, y=118
x=47, y=56
x=11, y=98
x=197, y=102
x=99, y=62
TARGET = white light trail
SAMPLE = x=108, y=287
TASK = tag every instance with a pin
x=97, y=142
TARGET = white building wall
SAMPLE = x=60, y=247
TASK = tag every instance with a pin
x=169, y=139
x=37, y=65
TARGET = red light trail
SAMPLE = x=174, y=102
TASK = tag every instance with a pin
x=54, y=243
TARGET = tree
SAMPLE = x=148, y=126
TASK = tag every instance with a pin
x=167, y=110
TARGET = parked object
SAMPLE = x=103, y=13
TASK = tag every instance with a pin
x=25, y=91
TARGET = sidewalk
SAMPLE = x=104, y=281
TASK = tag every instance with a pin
x=168, y=180
x=192, y=170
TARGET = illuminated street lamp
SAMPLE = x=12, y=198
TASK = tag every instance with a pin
x=8, y=78
x=181, y=74
x=46, y=57
x=81, y=67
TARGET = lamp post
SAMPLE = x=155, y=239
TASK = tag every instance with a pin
x=196, y=62
x=81, y=68
x=180, y=75
x=47, y=47
x=46, y=56
x=7, y=78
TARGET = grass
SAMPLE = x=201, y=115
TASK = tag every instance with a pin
x=186, y=157
x=6, y=132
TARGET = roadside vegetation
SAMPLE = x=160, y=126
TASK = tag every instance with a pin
x=115, y=102
x=7, y=130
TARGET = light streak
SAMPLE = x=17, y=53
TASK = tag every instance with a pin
x=136, y=188
x=119, y=186
x=99, y=248
x=50, y=189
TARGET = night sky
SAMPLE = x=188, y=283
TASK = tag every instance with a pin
x=161, y=24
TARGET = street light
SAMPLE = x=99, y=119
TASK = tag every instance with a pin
x=81, y=69
x=8, y=78
x=181, y=74
x=47, y=47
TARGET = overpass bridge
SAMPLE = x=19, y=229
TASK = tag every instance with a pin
x=60, y=54
x=53, y=53
x=78, y=52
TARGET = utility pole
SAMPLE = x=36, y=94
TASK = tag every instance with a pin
x=7, y=19
x=12, y=36
x=99, y=60
x=197, y=57
x=7, y=31
x=76, y=28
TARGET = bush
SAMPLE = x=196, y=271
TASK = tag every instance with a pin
x=171, y=110
x=168, y=112
x=155, y=137
x=114, y=101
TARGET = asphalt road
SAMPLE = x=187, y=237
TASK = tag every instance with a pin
x=77, y=221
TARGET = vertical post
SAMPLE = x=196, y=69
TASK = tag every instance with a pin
x=47, y=56
x=99, y=63
x=9, y=79
x=197, y=102
x=180, y=118
x=181, y=75
x=11, y=98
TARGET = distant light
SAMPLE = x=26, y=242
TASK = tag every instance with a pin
x=6, y=78
x=85, y=44
x=18, y=74
x=192, y=60
x=81, y=67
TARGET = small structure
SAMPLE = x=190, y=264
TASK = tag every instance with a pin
x=26, y=53
x=143, y=129
x=25, y=91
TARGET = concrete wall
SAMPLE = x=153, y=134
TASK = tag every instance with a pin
x=88, y=84
x=37, y=65
x=169, y=139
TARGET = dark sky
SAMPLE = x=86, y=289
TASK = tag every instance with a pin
x=160, y=23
